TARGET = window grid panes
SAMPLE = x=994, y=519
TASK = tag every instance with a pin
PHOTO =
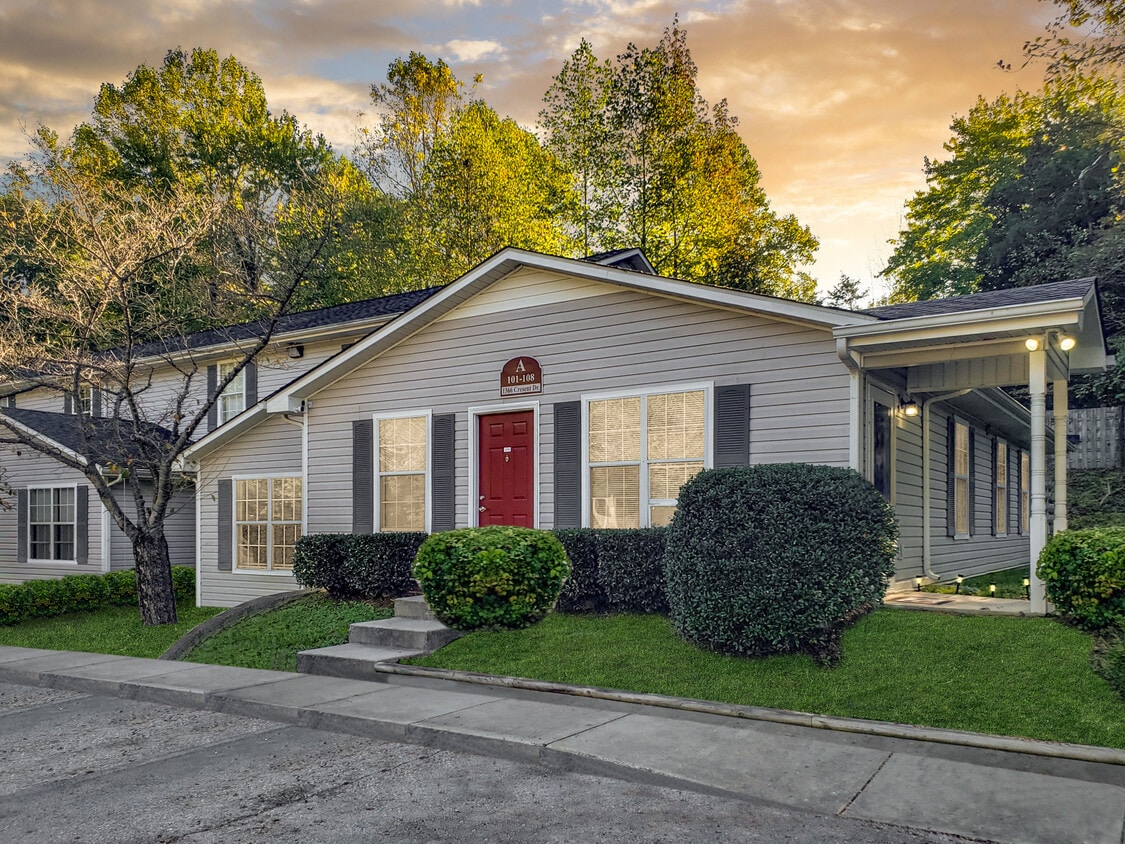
x=51, y=523
x=961, y=478
x=232, y=401
x=1000, y=503
x=267, y=515
x=401, y=445
x=641, y=450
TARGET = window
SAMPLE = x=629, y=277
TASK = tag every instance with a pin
x=641, y=450
x=51, y=516
x=400, y=473
x=1025, y=492
x=86, y=400
x=232, y=401
x=1000, y=490
x=960, y=446
x=881, y=450
x=267, y=516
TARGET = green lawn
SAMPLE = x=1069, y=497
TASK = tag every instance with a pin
x=271, y=640
x=113, y=630
x=1009, y=584
x=1008, y=676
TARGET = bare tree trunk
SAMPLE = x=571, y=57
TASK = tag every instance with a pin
x=154, y=579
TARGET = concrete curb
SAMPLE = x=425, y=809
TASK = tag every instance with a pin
x=888, y=729
x=228, y=618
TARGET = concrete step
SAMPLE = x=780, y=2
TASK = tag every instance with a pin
x=352, y=661
x=411, y=633
x=412, y=607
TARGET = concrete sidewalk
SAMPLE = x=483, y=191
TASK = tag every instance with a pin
x=978, y=793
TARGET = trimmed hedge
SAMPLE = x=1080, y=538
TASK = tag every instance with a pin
x=80, y=593
x=777, y=558
x=491, y=577
x=1084, y=573
x=1108, y=660
x=631, y=569
x=361, y=566
x=582, y=590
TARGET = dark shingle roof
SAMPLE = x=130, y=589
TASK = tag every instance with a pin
x=1074, y=288
x=301, y=321
x=111, y=440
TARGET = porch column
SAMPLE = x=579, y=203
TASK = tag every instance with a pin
x=1037, y=382
x=1059, y=391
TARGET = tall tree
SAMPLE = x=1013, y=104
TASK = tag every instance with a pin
x=89, y=321
x=846, y=294
x=661, y=169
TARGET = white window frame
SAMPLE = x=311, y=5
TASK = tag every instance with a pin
x=236, y=387
x=47, y=560
x=646, y=503
x=999, y=489
x=962, y=423
x=477, y=411
x=86, y=399
x=377, y=476
x=269, y=570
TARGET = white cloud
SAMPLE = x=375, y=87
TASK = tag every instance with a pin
x=473, y=51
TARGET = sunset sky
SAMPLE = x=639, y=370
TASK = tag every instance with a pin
x=839, y=100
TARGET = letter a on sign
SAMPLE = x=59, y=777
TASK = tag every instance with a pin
x=521, y=377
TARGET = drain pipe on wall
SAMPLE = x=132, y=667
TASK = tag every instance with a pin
x=927, y=448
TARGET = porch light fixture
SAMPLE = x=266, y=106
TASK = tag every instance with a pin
x=1032, y=344
x=960, y=580
x=1067, y=343
x=910, y=408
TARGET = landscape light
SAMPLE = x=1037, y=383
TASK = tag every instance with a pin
x=918, y=584
x=992, y=589
x=960, y=580
x=1027, y=587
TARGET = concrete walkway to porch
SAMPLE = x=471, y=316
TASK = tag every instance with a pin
x=980, y=787
x=960, y=604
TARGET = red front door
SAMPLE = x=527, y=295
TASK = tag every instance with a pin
x=507, y=469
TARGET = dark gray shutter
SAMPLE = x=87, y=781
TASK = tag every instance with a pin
x=363, y=477
x=96, y=403
x=568, y=464
x=82, y=526
x=732, y=426
x=443, y=492
x=1019, y=492
x=972, y=482
x=951, y=477
x=996, y=505
x=251, y=384
x=226, y=524
x=212, y=384
x=67, y=403
x=21, y=526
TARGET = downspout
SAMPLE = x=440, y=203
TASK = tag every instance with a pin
x=927, y=448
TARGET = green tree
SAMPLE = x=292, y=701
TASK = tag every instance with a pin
x=660, y=169
x=846, y=294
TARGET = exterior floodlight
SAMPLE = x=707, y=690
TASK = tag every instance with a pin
x=1032, y=344
x=1067, y=343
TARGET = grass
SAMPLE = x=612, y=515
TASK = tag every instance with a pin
x=1011, y=676
x=271, y=640
x=113, y=630
x=1009, y=584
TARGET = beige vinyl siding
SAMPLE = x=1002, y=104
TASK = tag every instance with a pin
x=32, y=469
x=622, y=340
x=273, y=448
x=908, y=494
x=41, y=399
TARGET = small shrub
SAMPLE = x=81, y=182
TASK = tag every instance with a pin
x=777, y=558
x=183, y=582
x=379, y=565
x=491, y=577
x=121, y=587
x=13, y=604
x=582, y=590
x=80, y=593
x=631, y=569
x=1109, y=659
x=319, y=562
x=1084, y=572
x=83, y=592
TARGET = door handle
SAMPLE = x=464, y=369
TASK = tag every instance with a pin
x=481, y=508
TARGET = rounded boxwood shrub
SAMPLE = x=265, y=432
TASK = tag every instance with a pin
x=581, y=591
x=320, y=562
x=631, y=569
x=1084, y=574
x=491, y=577
x=777, y=558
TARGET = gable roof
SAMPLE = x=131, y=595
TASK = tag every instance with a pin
x=109, y=439
x=625, y=259
x=487, y=273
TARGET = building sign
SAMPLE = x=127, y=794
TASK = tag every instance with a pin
x=521, y=377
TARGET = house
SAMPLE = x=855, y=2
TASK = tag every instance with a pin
x=551, y=392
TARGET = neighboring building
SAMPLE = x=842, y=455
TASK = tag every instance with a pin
x=561, y=393
x=554, y=392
